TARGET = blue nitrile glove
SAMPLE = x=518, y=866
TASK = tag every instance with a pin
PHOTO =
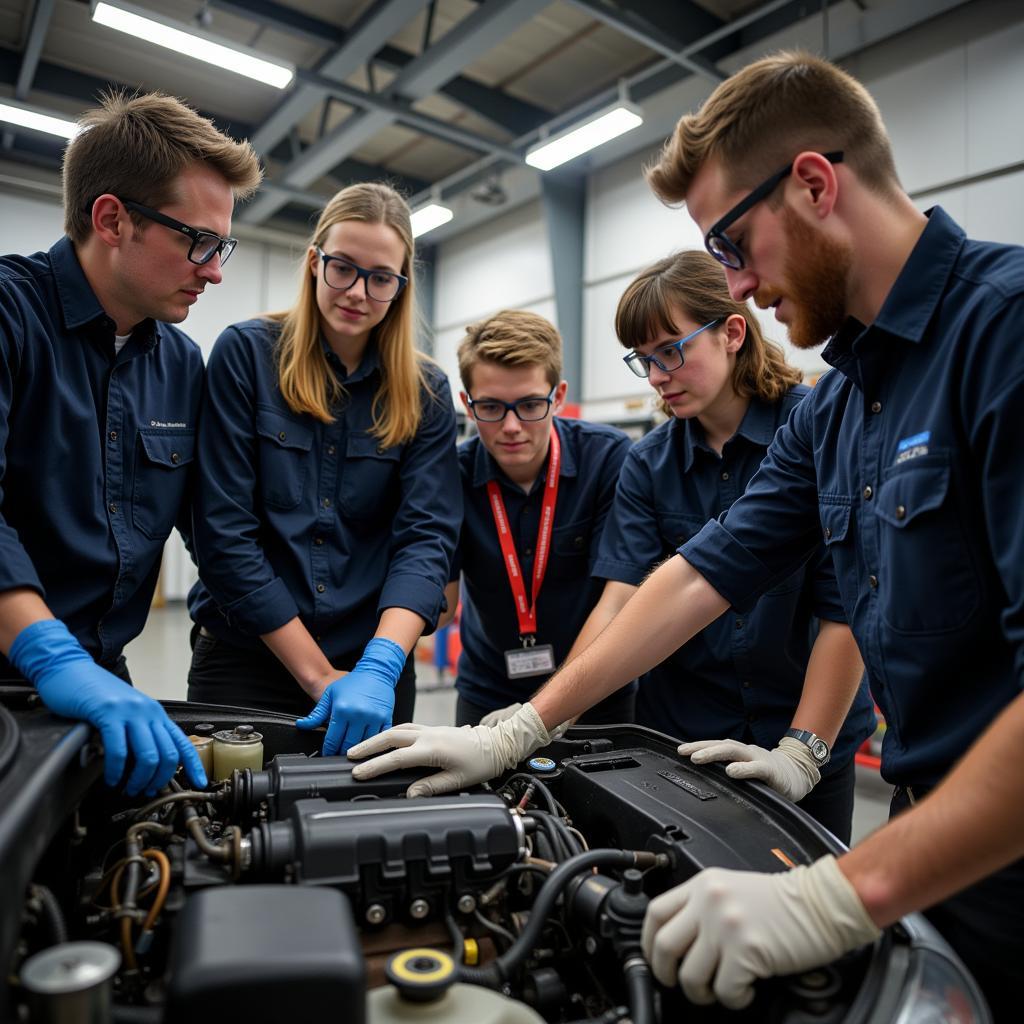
x=360, y=704
x=71, y=684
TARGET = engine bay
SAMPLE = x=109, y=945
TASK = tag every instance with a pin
x=294, y=889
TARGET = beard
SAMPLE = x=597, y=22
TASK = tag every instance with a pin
x=816, y=277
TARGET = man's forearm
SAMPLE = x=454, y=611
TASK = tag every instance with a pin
x=967, y=828
x=19, y=608
x=613, y=599
x=673, y=604
x=833, y=674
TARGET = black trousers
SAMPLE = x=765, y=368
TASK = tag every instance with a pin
x=612, y=710
x=984, y=923
x=222, y=673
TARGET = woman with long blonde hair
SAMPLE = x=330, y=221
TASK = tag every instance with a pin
x=329, y=501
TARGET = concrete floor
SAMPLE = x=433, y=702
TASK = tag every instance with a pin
x=159, y=661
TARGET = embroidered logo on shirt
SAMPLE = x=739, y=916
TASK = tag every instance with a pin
x=161, y=423
x=914, y=446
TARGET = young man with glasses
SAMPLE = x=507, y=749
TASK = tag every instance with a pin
x=99, y=398
x=906, y=459
x=536, y=491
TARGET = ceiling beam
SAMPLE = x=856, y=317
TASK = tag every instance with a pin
x=41, y=14
x=475, y=35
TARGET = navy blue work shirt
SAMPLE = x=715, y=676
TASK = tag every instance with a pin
x=741, y=677
x=299, y=517
x=592, y=455
x=97, y=449
x=907, y=461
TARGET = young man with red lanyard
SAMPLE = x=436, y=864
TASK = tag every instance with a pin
x=536, y=491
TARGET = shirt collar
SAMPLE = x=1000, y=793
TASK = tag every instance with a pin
x=915, y=296
x=758, y=426
x=486, y=469
x=367, y=365
x=78, y=301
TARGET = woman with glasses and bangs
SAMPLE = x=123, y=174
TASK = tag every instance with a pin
x=329, y=501
x=775, y=682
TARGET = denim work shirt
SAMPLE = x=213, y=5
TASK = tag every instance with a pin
x=299, y=517
x=592, y=455
x=96, y=449
x=741, y=677
x=907, y=461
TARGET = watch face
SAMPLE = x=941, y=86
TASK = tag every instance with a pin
x=819, y=750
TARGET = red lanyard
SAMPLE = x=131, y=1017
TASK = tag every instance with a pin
x=527, y=612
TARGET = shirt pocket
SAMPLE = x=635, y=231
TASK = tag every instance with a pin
x=676, y=529
x=927, y=582
x=284, y=447
x=369, y=484
x=159, y=485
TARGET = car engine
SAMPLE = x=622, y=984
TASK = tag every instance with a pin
x=288, y=890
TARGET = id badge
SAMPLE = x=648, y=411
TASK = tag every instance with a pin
x=530, y=661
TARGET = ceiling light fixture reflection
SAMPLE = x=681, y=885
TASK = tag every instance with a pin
x=153, y=28
x=426, y=218
x=26, y=117
x=572, y=142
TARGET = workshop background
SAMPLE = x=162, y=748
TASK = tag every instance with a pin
x=447, y=99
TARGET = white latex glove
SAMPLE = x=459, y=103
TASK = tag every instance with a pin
x=494, y=717
x=730, y=927
x=789, y=769
x=468, y=755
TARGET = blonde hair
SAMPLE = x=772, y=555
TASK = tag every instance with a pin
x=135, y=146
x=512, y=337
x=693, y=283
x=759, y=119
x=307, y=382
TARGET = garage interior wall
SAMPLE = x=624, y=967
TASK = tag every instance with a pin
x=949, y=92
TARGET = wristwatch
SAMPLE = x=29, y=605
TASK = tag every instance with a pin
x=820, y=750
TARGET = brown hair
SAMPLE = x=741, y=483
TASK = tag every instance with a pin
x=307, y=382
x=758, y=120
x=693, y=283
x=135, y=146
x=512, y=337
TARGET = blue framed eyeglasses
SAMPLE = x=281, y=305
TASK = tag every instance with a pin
x=719, y=244
x=381, y=285
x=667, y=357
x=494, y=410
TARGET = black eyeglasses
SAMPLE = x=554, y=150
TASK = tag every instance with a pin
x=718, y=243
x=667, y=357
x=205, y=244
x=529, y=410
x=381, y=285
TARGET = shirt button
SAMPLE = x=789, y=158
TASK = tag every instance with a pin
x=320, y=588
x=739, y=623
x=327, y=502
x=725, y=474
x=901, y=511
x=577, y=542
x=873, y=582
x=746, y=684
x=868, y=492
x=318, y=541
x=175, y=458
x=876, y=407
x=527, y=552
x=380, y=449
x=113, y=435
x=113, y=509
x=331, y=449
x=282, y=436
x=828, y=533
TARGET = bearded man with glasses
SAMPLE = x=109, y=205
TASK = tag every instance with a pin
x=99, y=402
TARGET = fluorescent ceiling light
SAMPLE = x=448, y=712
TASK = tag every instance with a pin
x=429, y=217
x=569, y=144
x=154, y=29
x=25, y=117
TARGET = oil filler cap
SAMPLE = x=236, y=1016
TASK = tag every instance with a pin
x=541, y=764
x=421, y=975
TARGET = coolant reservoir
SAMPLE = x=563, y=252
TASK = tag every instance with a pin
x=422, y=992
x=241, y=747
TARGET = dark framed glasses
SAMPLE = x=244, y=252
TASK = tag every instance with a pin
x=205, y=244
x=381, y=285
x=719, y=244
x=666, y=357
x=493, y=410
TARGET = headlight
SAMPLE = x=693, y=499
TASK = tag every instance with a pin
x=939, y=991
